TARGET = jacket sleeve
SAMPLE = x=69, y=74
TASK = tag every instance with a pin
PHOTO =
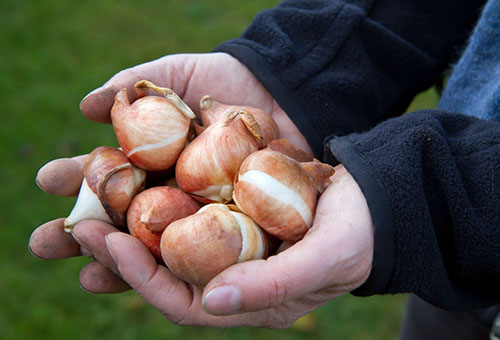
x=432, y=183
x=342, y=66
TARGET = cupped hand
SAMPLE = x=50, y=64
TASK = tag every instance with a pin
x=192, y=76
x=334, y=257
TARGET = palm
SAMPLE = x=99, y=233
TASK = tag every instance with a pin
x=192, y=76
x=219, y=75
x=277, y=290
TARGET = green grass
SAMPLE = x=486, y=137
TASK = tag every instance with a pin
x=52, y=53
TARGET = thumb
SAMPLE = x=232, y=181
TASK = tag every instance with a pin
x=261, y=284
x=97, y=104
x=334, y=257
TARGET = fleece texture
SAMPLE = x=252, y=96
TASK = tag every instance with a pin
x=345, y=71
x=431, y=179
x=343, y=66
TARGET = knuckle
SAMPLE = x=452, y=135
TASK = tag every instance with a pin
x=278, y=292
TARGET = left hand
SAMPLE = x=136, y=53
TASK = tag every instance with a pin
x=333, y=258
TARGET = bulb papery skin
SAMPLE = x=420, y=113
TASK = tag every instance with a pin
x=152, y=210
x=211, y=111
x=284, y=146
x=215, y=193
x=152, y=131
x=277, y=193
x=206, y=167
x=110, y=182
x=87, y=206
x=200, y=246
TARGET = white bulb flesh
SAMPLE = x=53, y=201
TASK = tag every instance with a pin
x=163, y=143
x=135, y=182
x=280, y=192
x=87, y=206
x=249, y=233
x=217, y=193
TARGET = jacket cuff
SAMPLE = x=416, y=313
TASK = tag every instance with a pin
x=287, y=100
x=342, y=150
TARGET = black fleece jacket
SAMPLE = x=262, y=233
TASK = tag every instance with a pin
x=341, y=70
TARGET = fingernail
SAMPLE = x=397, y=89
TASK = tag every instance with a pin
x=91, y=93
x=31, y=251
x=72, y=233
x=109, y=244
x=39, y=183
x=85, y=289
x=83, y=246
x=224, y=300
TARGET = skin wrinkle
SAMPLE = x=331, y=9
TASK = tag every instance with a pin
x=279, y=292
x=190, y=72
x=280, y=323
x=276, y=321
x=147, y=281
x=184, y=319
x=165, y=292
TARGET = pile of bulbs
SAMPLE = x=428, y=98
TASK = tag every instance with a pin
x=237, y=191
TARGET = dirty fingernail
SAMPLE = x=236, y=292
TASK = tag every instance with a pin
x=224, y=300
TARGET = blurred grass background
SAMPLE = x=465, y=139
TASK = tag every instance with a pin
x=52, y=53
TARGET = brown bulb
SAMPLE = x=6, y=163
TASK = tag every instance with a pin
x=200, y=246
x=153, y=130
x=153, y=210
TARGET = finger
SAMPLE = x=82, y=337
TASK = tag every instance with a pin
x=153, y=282
x=336, y=254
x=51, y=242
x=91, y=235
x=179, y=302
x=98, y=103
x=80, y=159
x=262, y=284
x=62, y=176
x=97, y=279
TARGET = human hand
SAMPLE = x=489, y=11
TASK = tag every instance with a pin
x=274, y=301
x=192, y=76
x=333, y=258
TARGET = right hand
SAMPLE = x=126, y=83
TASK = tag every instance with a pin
x=276, y=292
x=334, y=257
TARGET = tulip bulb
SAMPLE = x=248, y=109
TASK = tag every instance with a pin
x=153, y=130
x=200, y=246
x=280, y=193
x=284, y=146
x=207, y=166
x=152, y=210
x=110, y=182
x=211, y=110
